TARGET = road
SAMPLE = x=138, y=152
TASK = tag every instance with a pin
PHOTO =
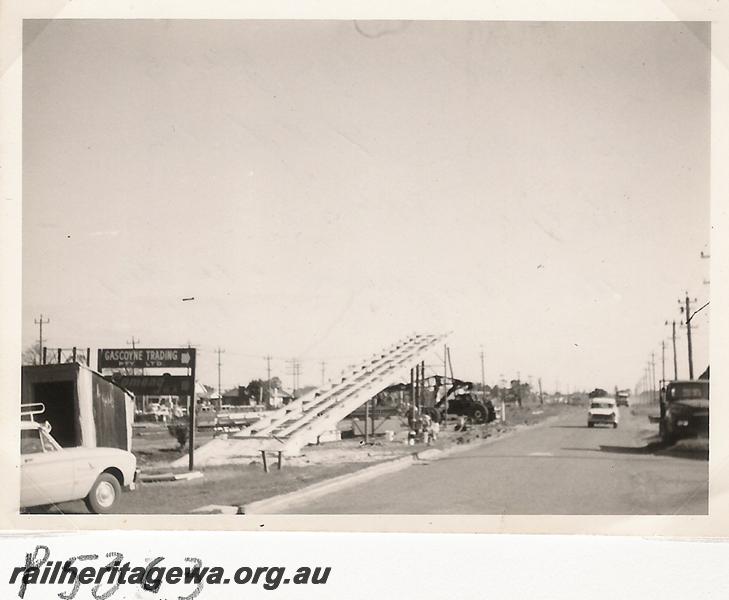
x=561, y=467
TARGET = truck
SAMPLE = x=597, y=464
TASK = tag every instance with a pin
x=684, y=410
x=622, y=397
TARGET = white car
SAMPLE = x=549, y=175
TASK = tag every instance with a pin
x=51, y=474
x=603, y=411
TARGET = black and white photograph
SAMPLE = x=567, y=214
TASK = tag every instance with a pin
x=364, y=267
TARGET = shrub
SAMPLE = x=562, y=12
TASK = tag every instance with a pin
x=178, y=430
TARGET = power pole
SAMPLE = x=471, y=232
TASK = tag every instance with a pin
x=295, y=373
x=541, y=397
x=690, y=315
x=706, y=256
x=653, y=375
x=219, y=351
x=40, y=322
x=133, y=343
x=663, y=362
x=688, y=336
x=267, y=358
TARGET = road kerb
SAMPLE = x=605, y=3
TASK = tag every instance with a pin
x=284, y=501
x=281, y=502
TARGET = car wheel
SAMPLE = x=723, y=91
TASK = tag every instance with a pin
x=477, y=415
x=103, y=495
x=615, y=425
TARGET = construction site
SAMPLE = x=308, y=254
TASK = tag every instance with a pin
x=386, y=409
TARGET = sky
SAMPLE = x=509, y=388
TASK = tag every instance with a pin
x=325, y=188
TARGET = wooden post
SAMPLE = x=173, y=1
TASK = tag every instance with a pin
x=59, y=356
x=88, y=357
x=445, y=377
x=191, y=414
x=422, y=386
x=412, y=387
x=372, y=414
x=366, y=421
x=74, y=354
x=280, y=459
x=45, y=352
x=265, y=464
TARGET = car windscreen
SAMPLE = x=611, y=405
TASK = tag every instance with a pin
x=30, y=441
x=601, y=405
x=689, y=391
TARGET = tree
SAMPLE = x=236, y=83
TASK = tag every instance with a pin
x=32, y=355
x=598, y=393
x=256, y=390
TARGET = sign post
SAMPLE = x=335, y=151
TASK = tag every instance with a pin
x=191, y=418
x=156, y=385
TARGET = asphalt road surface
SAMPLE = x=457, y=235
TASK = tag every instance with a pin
x=561, y=467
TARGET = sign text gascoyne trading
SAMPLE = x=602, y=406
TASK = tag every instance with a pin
x=140, y=358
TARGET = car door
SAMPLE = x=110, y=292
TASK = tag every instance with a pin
x=47, y=475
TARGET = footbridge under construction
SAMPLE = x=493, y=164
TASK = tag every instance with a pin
x=302, y=421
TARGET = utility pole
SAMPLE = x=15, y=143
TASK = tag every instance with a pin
x=689, y=316
x=663, y=362
x=295, y=373
x=40, y=322
x=219, y=351
x=518, y=388
x=688, y=336
x=267, y=358
x=541, y=396
x=133, y=343
x=653, y=375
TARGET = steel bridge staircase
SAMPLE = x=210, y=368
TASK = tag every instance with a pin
x=302, y=421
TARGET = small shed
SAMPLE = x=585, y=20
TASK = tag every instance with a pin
x=82, y=407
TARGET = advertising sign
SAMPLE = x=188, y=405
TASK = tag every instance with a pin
x=141, y=358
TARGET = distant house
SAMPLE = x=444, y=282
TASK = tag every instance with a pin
x=279, y=397
x=236, y=397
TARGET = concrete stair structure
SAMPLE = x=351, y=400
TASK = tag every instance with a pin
x=303, y=420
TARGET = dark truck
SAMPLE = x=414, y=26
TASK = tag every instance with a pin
x=684, y=410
